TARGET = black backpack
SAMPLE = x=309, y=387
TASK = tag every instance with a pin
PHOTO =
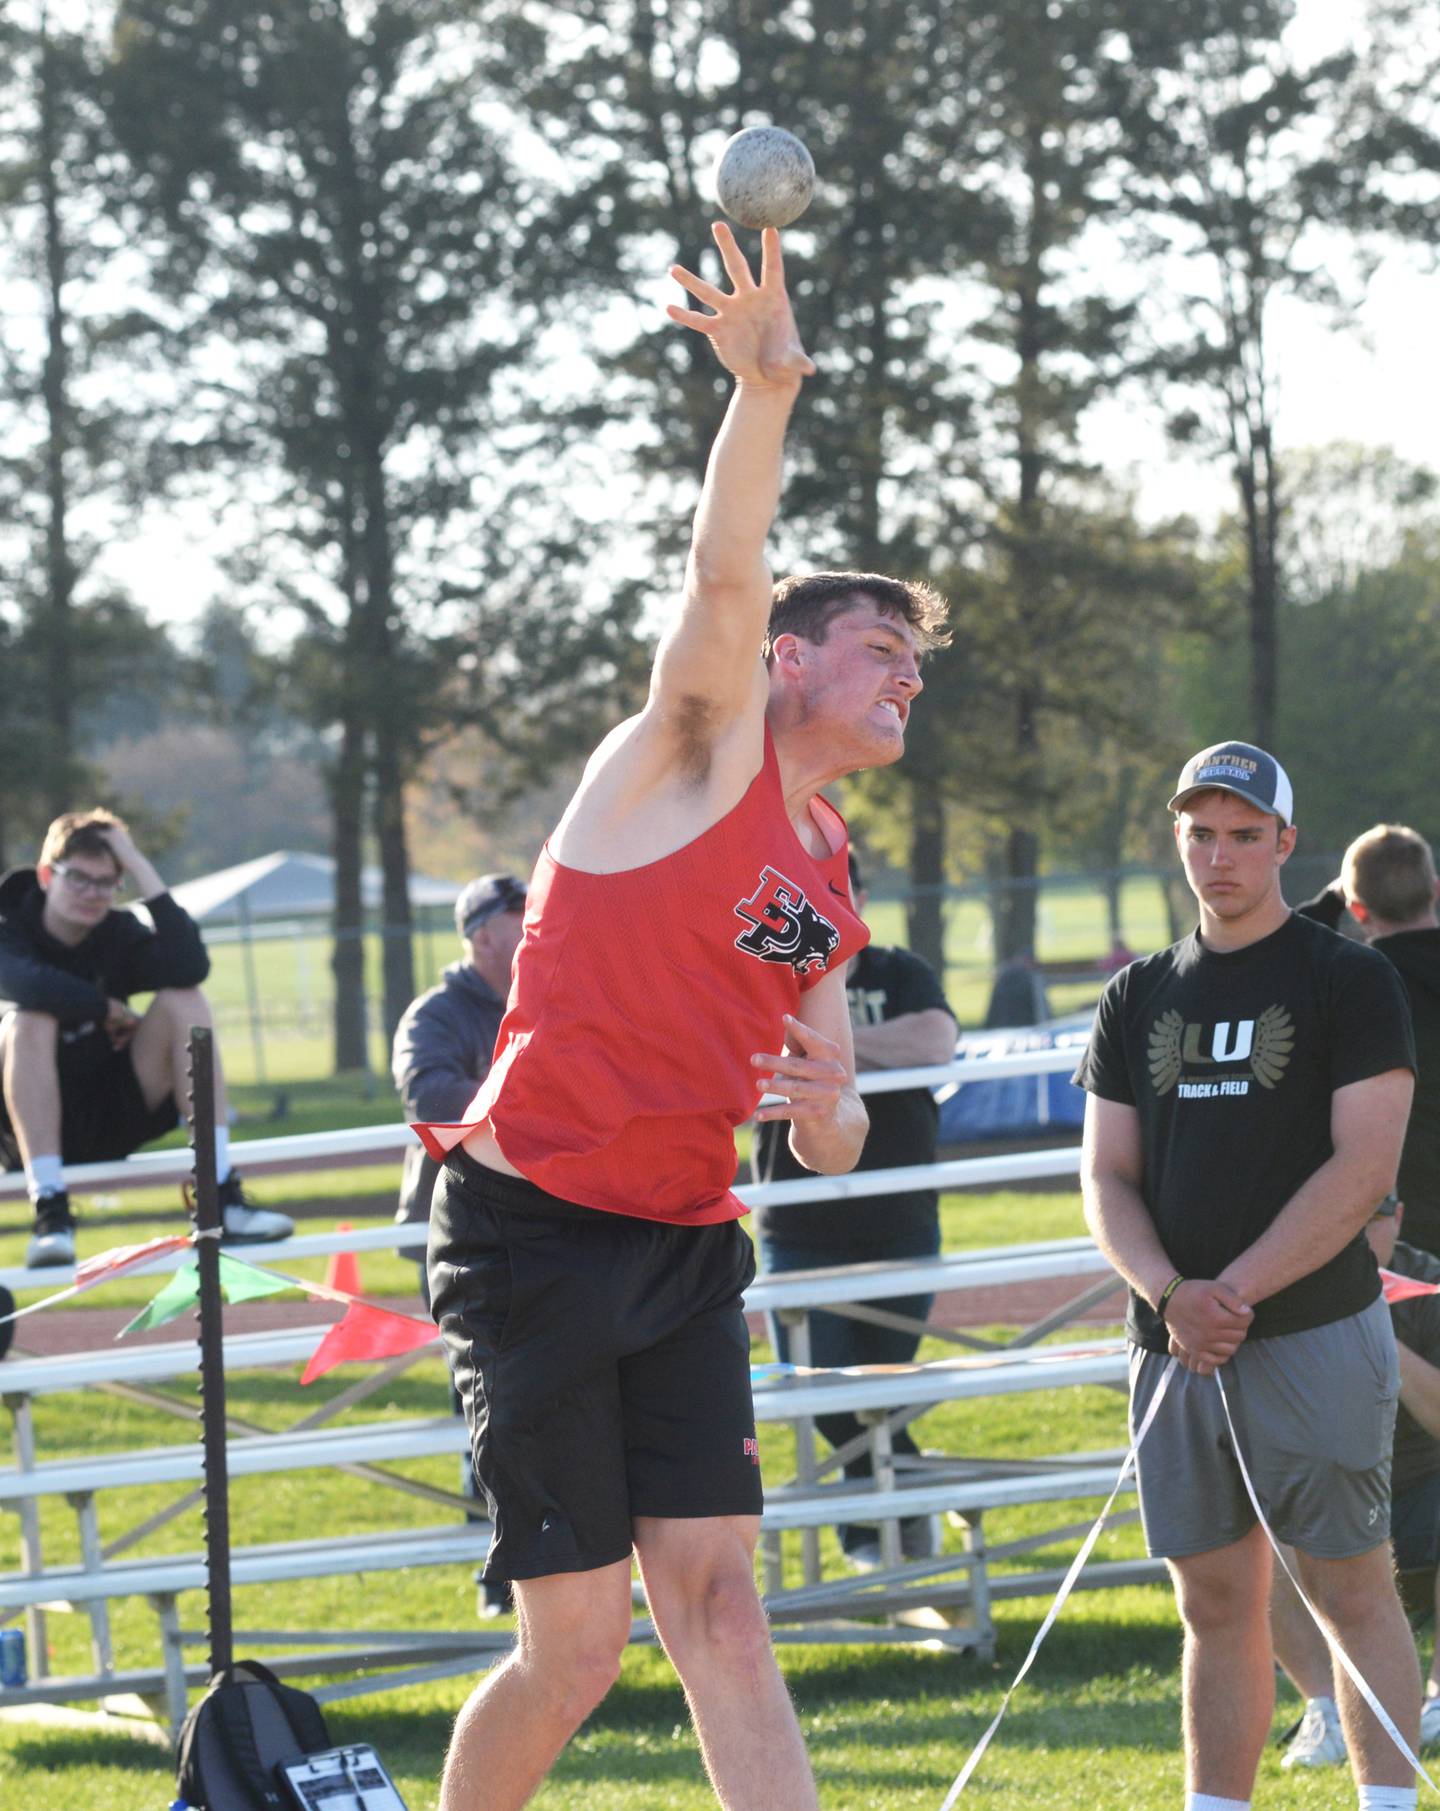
x=231, y=1740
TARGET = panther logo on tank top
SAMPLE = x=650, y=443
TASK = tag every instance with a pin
x=1202, y=1060
x=784, y=926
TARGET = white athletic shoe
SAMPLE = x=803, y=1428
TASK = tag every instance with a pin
x=1430, y=1723
x=244, y=1223
x=1319, y=1741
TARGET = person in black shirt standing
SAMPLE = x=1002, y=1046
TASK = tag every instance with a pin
x=1387, y=880
x=86, y=1078
x=900, y=1021
x=1248, y=1094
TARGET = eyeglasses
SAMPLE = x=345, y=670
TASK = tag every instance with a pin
x=102, y=886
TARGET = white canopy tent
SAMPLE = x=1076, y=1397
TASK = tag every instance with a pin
x=287, y=884
x=287, y=892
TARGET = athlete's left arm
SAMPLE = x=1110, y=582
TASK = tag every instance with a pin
x=1367, y=1129
x=816, y=1075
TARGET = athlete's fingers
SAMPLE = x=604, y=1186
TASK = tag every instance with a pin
x=731, y=256
x=811, y=1041
x=772, y=262
x=800, y=1069
x=702, y=290
x=794, y=1110
x=797, y=1090
x=687, y=317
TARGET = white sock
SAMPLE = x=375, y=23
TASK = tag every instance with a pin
x=222, y=1153
x=1387, y=1798
x=44, y=1176
x=1207, y=1801
x=1327, y=1705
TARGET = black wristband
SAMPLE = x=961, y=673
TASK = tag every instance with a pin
x=1166, y=1293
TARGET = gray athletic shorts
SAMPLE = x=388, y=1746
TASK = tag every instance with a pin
x=1315, y=1416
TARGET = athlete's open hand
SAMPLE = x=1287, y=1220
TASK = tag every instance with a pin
x=1208, y=1323
x=752, y=329
x=810, y=1074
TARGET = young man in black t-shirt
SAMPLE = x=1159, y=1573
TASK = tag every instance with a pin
x=1249, y=1089
x=1387, y=882
x=899, y=1020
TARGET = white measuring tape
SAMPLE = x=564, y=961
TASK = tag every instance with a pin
x=1067, y=1586
x=1385, y=1721
x=1382, y=1716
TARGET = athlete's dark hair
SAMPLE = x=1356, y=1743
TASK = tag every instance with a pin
x=80, y=833
x=1391, y=871
x=808, y=605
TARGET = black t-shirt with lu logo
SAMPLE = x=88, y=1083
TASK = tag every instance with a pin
x=1230, y=1060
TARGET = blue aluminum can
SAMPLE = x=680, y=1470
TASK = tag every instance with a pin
x=12, y=1657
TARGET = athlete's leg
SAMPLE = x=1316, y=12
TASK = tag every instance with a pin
x=29, y=1042
x=699, y=1576
x=160, y=1050
x=1228, y=1680
x=1358, y=1600
x=573, y=1627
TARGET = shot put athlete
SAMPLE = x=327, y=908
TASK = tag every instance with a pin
x=685, y=943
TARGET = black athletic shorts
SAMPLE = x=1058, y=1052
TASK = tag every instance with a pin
x=603, y=1362
x=103, y=1115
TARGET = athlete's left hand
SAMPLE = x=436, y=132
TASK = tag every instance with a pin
x=810, y=1074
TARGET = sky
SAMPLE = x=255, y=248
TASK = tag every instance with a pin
x=1376, y=381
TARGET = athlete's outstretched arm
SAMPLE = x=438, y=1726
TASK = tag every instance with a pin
x=708, y=666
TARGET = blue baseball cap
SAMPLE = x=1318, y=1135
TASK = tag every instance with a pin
x=1243, y=769
x=484, y=898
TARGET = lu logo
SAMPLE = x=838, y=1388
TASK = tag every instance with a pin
x=1266, y=1044
x=1219, y=1052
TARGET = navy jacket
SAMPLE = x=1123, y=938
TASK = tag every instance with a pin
x=442, y=1053
x=120, y=957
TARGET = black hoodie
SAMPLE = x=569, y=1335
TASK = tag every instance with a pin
x=120, y=957
x=1416, y=957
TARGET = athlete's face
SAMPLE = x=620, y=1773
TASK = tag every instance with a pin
x=1233, y=853
x=865, y=675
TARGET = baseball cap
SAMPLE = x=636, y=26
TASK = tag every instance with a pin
x=1243, y=769
x=481, y=900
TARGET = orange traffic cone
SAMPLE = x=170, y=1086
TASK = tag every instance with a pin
x=343, y=1270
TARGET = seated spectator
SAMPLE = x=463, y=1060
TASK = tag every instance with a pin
x=85, y=1078
x=900, y=1021
x=445, y=1041
x=1415, y=1506
x=1387, y=880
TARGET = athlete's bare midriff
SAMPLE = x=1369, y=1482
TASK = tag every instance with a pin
x=482, y=1147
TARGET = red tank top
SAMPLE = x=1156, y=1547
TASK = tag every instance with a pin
x=623, y=1064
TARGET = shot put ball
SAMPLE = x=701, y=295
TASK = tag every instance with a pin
x=764, y=176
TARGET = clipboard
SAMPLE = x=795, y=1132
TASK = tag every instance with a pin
x=349, y=1778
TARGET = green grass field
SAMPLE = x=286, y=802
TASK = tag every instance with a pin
x=292, y=975
x=1094, y=1726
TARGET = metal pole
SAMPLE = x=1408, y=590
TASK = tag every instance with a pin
x=212, y=1356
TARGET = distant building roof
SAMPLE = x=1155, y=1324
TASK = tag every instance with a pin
x=290, y=885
